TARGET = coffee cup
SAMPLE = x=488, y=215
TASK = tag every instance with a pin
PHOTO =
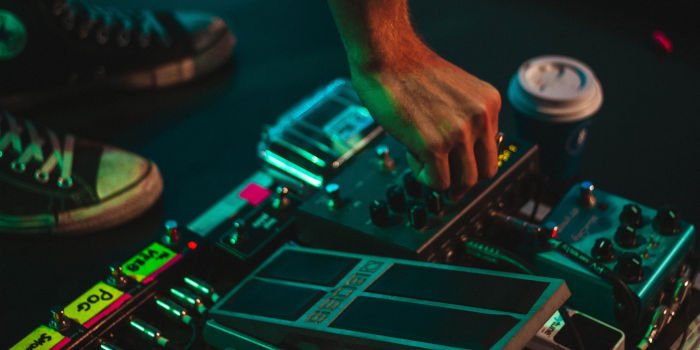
x=555, y=99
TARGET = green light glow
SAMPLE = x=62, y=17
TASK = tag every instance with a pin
x=196, y=285
x=163, y=305
x=301, y=173
x=143, y=329
x=106, y=347
x=304, y=153
x=167, y=307
x=233, y=239
x=182, y=296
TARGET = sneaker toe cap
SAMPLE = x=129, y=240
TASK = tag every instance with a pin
x=118, y=171
x=203, y=28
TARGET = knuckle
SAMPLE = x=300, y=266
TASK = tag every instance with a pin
x=492, y=100
x=435, y=146
x=461, y=132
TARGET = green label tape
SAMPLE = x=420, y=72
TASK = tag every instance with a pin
x=148, y=261
x=92, y=302
x=41, y=338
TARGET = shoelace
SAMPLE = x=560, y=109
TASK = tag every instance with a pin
x=33, y=152
x=106, y=23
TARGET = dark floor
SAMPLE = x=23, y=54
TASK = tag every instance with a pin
x=644, y=144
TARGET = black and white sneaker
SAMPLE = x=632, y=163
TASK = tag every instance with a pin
x=60, y=184
x=54, y=47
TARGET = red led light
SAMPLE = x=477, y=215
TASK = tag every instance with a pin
x=662, y=40
x=192, y=245
x=555, y=231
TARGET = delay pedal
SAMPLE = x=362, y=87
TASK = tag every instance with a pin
x=644, y=246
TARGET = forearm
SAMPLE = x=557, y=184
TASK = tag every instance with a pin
x=377, y=33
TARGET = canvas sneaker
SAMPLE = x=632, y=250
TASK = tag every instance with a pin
x=55, y=47
x=59, y=184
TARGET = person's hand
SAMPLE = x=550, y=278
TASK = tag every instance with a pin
x=446, y=117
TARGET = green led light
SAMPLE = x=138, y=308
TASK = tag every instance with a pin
x=196, y=285
x=233, y=239
x=104, y=346
x=163, y=305
x=182, y=296
x=143, y=329
x=303, y=174
x=167, y=307
x=137, y=326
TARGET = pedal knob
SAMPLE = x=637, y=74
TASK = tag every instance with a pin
x=629, y=267
x=419, y=216
x=412, y=185
x=379, y=212
x=626, y=236
x=334, y=199
x=631, y=215
x=603, y=250
x=171, y=236
x=667, y=221
x=434, y=202
x=587, y=198
x=396, y=198
x=384, y=156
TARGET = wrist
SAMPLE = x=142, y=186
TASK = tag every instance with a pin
x=395, y=53
x=376, y=33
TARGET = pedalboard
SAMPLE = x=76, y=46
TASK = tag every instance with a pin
x=254, y=271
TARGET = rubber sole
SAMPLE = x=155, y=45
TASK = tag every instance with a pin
x=165, y=75
x=181, y=71
x=115, y=210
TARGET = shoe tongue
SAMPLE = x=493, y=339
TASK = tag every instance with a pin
x=86, y=161
x=179, y=36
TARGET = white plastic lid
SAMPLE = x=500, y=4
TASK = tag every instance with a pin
x=555, y=89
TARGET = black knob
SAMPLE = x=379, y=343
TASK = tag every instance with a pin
x=586, y=197
x=603, y=250
x=629, y=267
x=631, y=215
x=434, y=202
x=171, y=236
x=396, y=198
x=333, y=193
x=379, y=212
x=412, y=186
x=667, y=221
x=419, y=216
x=626, y=236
